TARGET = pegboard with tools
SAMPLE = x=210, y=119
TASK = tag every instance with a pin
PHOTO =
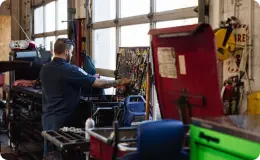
x=132, y=64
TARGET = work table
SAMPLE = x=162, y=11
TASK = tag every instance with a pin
x=242, y=126
x=38, y=93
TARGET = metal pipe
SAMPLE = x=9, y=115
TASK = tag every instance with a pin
x=70, y=17
x=118, y=29
x=250, y=40
x=79, y=43
x=148, y=94
x=201, y=8
x=87, y=29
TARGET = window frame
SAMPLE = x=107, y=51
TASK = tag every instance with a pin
x=153, y=17
x=45, y=34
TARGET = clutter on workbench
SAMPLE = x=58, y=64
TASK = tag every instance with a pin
x=22, y=45
x=129, y=111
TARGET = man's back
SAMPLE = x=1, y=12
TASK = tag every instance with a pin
x=61, y=84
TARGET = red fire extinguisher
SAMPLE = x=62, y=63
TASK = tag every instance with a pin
x=229, y=98
x=2, y=79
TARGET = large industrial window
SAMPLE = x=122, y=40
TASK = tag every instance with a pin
x=125, y=23
x=137, y=38
x=104, y=10
x=50, y=23
x=166, y=5
x=175, y=23
x=104, y=48
x=134, y=8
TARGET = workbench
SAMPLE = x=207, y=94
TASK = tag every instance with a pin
x=234, y=137
x=25, y=109
x=24, y=114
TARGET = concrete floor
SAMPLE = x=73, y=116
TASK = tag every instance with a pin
x=4, y=148
x=3, y=140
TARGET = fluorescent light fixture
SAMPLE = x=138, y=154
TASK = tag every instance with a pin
x=1, y=1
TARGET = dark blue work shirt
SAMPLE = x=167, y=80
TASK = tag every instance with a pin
x=61, y=83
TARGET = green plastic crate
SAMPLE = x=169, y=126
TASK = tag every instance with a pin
x=211, y=145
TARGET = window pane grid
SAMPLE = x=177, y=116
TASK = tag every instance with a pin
x=136, y=34
x=176, y=23
x=134, y=7
x=166, y=5
x=48, y=18
x=104, y=50
x=62, y=14
x=38, y=20
x=104, y=10
x=125, y=37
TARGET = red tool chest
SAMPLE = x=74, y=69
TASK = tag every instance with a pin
x=194, y=79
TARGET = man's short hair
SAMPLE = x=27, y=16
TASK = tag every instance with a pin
x=62, y=44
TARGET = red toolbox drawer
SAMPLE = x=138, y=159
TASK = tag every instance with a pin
x=101, y=147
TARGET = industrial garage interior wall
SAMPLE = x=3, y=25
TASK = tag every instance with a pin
x=243, y=14
x=5, y=38
x=4, y=8
x=80, y=9
x=215, y=17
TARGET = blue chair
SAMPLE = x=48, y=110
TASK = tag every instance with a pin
x=159, y=140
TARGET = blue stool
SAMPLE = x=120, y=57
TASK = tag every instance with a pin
x=159, y=140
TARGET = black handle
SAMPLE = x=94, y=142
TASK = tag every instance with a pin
x=208, y=138
x=116, y=141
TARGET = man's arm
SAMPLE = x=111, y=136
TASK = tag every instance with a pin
x=78, y=76
x=101, y=83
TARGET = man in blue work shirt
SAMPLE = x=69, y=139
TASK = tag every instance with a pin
x=61, y=83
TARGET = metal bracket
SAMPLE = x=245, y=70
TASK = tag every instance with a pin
x=183, y=102
x=116, y=21
x=89, y=25
x=153, y=79
x=206, y=10
x=150, y=16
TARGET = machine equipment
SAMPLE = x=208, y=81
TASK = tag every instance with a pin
x=70, y=140
x=23, y=105
x=36, y=58
x=184, y=82
x=128, y=112
x=4, y=67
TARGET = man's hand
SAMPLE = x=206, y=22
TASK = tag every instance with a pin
x=123, y=81
x=100, y=83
